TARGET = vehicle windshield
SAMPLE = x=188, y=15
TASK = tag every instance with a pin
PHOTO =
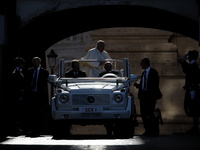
x=91, y=82
x=117, y=68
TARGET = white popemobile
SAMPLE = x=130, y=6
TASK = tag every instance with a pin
x=103, y=100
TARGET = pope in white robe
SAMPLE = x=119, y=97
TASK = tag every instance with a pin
x=93, y=69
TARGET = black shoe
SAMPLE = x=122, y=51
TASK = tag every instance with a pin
x=146, y=133
x=193, y=130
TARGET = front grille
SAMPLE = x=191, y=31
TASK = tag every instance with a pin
x=82, y=99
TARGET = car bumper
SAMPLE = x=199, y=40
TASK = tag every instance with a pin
x=106, y=114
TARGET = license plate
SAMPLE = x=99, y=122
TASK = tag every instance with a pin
x=90, y=109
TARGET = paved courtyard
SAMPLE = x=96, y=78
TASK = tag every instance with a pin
x=173, y=137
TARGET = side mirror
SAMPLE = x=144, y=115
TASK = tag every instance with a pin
x=133, y=77
x=52, y=78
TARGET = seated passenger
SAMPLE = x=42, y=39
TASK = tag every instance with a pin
x=75, y=72
x=108, y=69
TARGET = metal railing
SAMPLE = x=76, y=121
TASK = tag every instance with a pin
x=62, y=62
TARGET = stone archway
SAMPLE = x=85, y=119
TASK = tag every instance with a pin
x=44, y=31
x=162, y=47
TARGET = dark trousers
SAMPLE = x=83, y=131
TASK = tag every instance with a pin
x=191, y=107
x=38, y=111
x=147, y=107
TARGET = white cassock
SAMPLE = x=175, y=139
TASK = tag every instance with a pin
x=93, y=69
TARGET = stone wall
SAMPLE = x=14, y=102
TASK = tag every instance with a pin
x=161, y=47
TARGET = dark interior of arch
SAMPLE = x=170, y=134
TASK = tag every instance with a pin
x=45, y=30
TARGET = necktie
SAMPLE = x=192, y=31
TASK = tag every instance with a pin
x=145, y=81
x=75, y=74
x=34, y=79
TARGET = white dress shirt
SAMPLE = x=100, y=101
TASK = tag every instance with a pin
x=38, y=70
x=147, y=74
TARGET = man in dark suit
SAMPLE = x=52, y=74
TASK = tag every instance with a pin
x=148, y=93
x=17, y=100
x=192, y=92
x=75, y=72
x=37, y=103
x=108, y=69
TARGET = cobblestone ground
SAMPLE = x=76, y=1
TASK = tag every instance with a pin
x=172, y=137
x=166, y=129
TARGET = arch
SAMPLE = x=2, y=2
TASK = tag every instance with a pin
x=44, y=31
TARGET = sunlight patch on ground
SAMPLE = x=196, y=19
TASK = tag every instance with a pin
x=47, y=140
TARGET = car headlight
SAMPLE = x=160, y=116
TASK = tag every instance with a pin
x=64, y=98
x=118, y=98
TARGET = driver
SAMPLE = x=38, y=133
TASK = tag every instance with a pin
x=108, y=69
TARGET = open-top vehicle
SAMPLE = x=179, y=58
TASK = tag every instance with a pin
x=103, y=100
